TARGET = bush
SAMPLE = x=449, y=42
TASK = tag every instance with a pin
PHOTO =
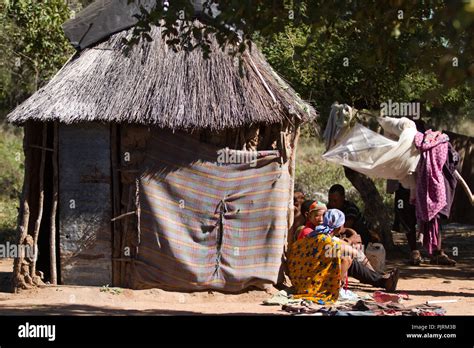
x=11, y=178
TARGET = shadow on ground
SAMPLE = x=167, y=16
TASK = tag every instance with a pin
x=87, y=310
x=5, y=281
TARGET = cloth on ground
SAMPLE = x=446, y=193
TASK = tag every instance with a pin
x=282, y=297
x=346, y=295
x=393, y=308
x=354, y=313
x=365, y=307
x=383, y=297
x=304, y=307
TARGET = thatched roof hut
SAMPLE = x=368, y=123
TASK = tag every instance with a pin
x=152, y=85
x=157, y=168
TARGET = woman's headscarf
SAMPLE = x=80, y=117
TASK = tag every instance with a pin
x=317, y=205
x=333, y=219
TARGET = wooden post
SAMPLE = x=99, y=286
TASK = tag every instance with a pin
x=40, y=202
x=54, y=208
x=116, y=224
x=125, y=238
x=284, y=276
x=292, y=171
x=24, y=212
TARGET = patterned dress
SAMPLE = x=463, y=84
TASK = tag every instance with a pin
x=315, y=268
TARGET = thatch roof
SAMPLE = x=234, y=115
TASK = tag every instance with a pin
x=153, y=85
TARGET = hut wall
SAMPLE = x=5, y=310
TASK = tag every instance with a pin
x=85, y=206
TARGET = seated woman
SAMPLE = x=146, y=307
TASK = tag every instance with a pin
x=318, y=263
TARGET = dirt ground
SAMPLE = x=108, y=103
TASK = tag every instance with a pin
x=422, y=283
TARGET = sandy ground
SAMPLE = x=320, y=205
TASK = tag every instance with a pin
x=422, y=283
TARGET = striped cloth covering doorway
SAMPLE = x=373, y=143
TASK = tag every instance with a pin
x=204, y=224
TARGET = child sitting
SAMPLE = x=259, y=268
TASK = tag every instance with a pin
x=314, y=218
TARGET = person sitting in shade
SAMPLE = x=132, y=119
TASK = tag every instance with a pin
x=354, y=218
x=318, y=263
x=359, y=267
x=314, y=217
x=362, y=270
x=299, y=217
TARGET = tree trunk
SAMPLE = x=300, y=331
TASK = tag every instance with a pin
x=54, y=208
x=375, y=210
x=18, y=279
x=44, y=139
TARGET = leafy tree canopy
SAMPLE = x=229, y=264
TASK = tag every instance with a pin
x=33, y=46
x=359, y=52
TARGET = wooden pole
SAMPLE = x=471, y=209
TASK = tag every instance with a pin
x=116, y=198
x=54, y=207
x=24, y=212
x=125, y=238
x=40, y=201
x=292, y=171
x=284, y=273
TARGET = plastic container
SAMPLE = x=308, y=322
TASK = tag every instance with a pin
x=375, y=252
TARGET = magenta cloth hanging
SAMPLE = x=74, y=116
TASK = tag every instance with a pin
x=431, y=236
x=430, y=190
x=430, y=186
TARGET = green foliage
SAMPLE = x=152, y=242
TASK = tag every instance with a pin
x=358, y=52
x=11, y=177
x=314, y=175
x=110, y=290
x=345, y=68
x=34, y=46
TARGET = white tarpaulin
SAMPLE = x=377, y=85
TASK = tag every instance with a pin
x=377, y=156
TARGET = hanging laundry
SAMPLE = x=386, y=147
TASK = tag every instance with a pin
x=430, y=188
x=430, y=232
x=375, y=155
x=338, y=124
x=431, y=191
x=450, y=180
